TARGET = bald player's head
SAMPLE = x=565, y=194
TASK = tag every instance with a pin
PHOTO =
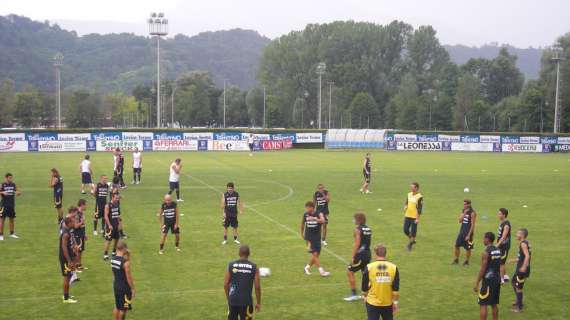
x=167, y=198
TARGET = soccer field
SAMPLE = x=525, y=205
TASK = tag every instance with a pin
x=274, y=187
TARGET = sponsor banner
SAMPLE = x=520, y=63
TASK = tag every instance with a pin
x=391, y=145
x=32, y=145
x=59, y=146
x=203, y=145
x=12, y=136
x=106, y=135
x=530, y=140
x=42, y=136
x=284, y=136
x=510, y=139
x=111, y=145
x=405, y=137
x=448, y=138
x=13, y=146
x=91, y=145
x=227, y=136
x=427, y=137
x=147, y=145
x=563, y=140
x=562, y=148
x=423, y=146
x=474, y=147
x=549, y=140
x=174, y=145
x=471, y=138
x=517, y=147
x=487, y=139
x=168, y=135
x=313, y=137
x=274, y=145
x=228, y=145
x=198, y=136
x=73, y=136
x=256, y=136
x=136, y=136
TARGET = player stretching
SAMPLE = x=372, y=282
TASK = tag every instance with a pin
x=137, y=166
x=79, y=232
x=169, y=219
x=523, y=269
x=56, y=182
x=489, y=277
x=174, y=178
x=100, y=193
x=231, y=208
x=380, y=285
x=367, y=174
x=413, y=211
x=66, y=243
x=360, y=253
x=311, y=233
x=123, y=284
x=467, y=219
x=112, y=222
x=9, y=192
x=240, y=278
x=504, y=241
x=86, y=173
x=322, y=198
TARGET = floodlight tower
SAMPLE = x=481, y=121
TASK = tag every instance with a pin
x=157, y=26
x=57, y=63
x=321, y=69
x=557, y=57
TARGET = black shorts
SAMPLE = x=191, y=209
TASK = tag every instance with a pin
x=112, y=234
x=170, y=226
x=251, y=147
x=86, y=178
x=7, y=212
x=461, y=242
x=325, y=213
x=366, y=176
x=99, y=210
x=137, y=170
x=377, y=313
x=80, y=240
x=504, y=254
x=58, y=200
x=519, y=279
x=240, y=312
x=123, y=298
x=359, y=262
x=230, y=221
x=314, y=245
x=489, y=292
x=66, y=271
x=174, y=185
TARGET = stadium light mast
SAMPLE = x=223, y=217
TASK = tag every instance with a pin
x=321, y=69
x=225, y=102
x=331, y=83
x=264, y=98
x=557, y=57
x=57, y=63
x=158, y=26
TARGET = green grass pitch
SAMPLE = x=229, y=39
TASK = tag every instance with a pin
x=274, y=187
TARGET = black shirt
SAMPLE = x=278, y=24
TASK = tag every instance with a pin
x=312, y=227
x=58, y=186
x=507, y=242
x=121, y=163
x=9, y=195
x=520, y=261
x=69, y=244
x=493, y=262
x=101, y=192
x=114, y=211
x=467, y=220
x=119, y=274
x=242, y=276
x=322, y=201
x=365, y=238
x=367, y=165
x=231, y=203
x=169, y=212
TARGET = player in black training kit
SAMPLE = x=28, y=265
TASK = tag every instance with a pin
x=467, y=219
x=231, y=207
x=322, y=198
x=112, y=222
x=8, y=191
x=121, y=169
x=490, y=278
x=240, y=278
x=360, y=253
x=56, y=182
x=123, y=284
x=101, y=192
x=311, y=233
x=169, y=219
x=504, y=241
x=523, y=269
x=66, y=256
x=79, y=233
x=367, y=174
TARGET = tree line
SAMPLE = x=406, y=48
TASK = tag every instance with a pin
x=377, y=76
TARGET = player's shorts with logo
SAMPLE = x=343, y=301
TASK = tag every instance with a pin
x=360, y=261
x=461, y=242
x=490, y=291
x=325, y=212
x=58, y=200
x=230, y=221
x=66, y=270
x=137, y=170
x=504, y=253
x=123, y=297
x=170, y=226
x=174, y=185
x=366, y=176
x=112, y=234
x=240, y=312
x=86, y=178
x=7, y=212
x=314, y=244
x=99, y=209
x=79, y=235
x=519, y=279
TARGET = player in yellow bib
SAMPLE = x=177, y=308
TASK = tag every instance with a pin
x=412, y=212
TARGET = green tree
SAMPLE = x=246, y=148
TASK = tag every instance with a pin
x=193, y=107
x=405, y=103
x=84, y=110
x=236, y=108
x=468, y=93
x=254, y=102
x=364, y=111
x=27, y=108
x=7, y=92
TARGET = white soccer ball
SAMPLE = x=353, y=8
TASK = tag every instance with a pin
x=466, y=190
x=264, y=272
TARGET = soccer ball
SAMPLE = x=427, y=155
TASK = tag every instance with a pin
x=264, y=272
x=466, y=190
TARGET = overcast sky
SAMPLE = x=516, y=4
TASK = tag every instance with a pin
x=521, y=23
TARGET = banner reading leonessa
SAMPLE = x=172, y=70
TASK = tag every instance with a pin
x=175, y=145
x=423, y=146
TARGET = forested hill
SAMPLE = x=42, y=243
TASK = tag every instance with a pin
x=528, y=59
x=121, y=61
